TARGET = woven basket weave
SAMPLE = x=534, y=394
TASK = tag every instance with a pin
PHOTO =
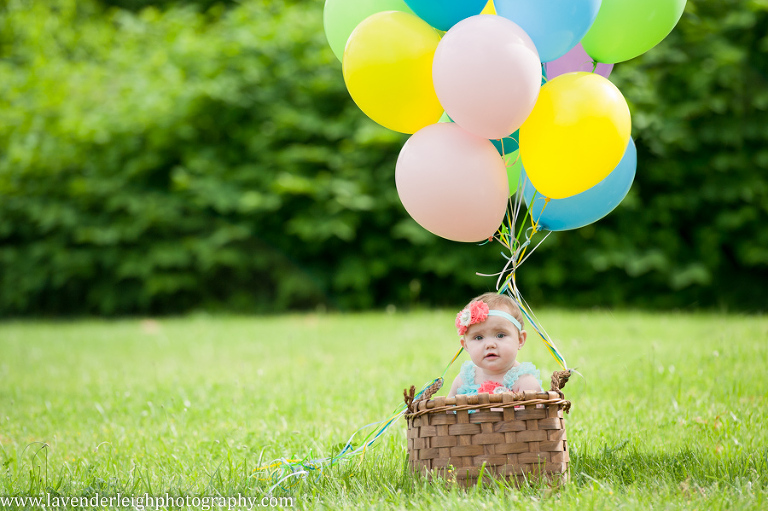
x=520, y=435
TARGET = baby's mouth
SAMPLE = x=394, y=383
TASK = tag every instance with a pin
x=492, y=356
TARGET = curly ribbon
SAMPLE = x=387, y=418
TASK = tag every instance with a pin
x=283, y=469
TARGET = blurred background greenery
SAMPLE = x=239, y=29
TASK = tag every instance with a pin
x=165, y=156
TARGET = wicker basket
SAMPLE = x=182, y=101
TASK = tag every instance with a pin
x=520, y=435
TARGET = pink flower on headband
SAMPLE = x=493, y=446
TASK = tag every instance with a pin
x=475, y=312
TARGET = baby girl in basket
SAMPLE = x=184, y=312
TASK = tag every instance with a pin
x=491, y=330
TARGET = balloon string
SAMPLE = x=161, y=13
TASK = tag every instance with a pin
x=519, y=199
x=527, y=213
x=526, y=310
x=535, y=227
x=503, y=236
x=518, y=256
x=507, y=227
x=518, y=250
x=512, y=214
x=534, y=248
x=514, y=245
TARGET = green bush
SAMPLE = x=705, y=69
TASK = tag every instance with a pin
x=138, y=5
x=176, y=158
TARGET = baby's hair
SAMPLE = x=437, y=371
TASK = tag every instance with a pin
x=503, y=301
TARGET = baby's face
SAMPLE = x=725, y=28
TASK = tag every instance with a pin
x=493, y=344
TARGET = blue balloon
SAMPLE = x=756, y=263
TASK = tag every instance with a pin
x=443, y=14
x=586, y=207
x=555, y=26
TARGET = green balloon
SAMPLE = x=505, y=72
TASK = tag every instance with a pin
x=340, y=17
x=625, y=29
x=514, y=167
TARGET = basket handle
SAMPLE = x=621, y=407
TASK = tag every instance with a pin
x=412, y=403
x=559, y=379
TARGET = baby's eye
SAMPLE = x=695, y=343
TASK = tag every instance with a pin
x=500, y=335
x=478, y=337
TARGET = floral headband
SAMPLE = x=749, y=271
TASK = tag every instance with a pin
x=477, y=312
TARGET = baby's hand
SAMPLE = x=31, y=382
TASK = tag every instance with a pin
x=527, y=382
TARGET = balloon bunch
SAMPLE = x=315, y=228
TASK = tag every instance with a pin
x=521, y=87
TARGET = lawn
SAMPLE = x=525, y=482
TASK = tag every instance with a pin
x=672, y=411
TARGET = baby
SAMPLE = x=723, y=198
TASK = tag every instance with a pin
x=491, y=330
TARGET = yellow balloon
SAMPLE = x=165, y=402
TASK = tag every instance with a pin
x=576, y=134
x=387, y=68
x=489, y=9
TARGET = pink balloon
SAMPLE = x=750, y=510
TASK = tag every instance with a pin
x=453, y=183
x=575, y=60
x=487, y=75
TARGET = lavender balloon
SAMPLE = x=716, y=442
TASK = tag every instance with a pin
x=576, y=60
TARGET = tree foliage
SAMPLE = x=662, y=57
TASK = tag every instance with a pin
x=175, y=156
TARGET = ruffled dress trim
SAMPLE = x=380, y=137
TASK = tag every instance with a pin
x=468, y=376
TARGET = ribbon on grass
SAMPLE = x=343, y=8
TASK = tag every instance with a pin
x=282, y=470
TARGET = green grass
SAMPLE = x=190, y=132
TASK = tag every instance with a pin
x=671, y=413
